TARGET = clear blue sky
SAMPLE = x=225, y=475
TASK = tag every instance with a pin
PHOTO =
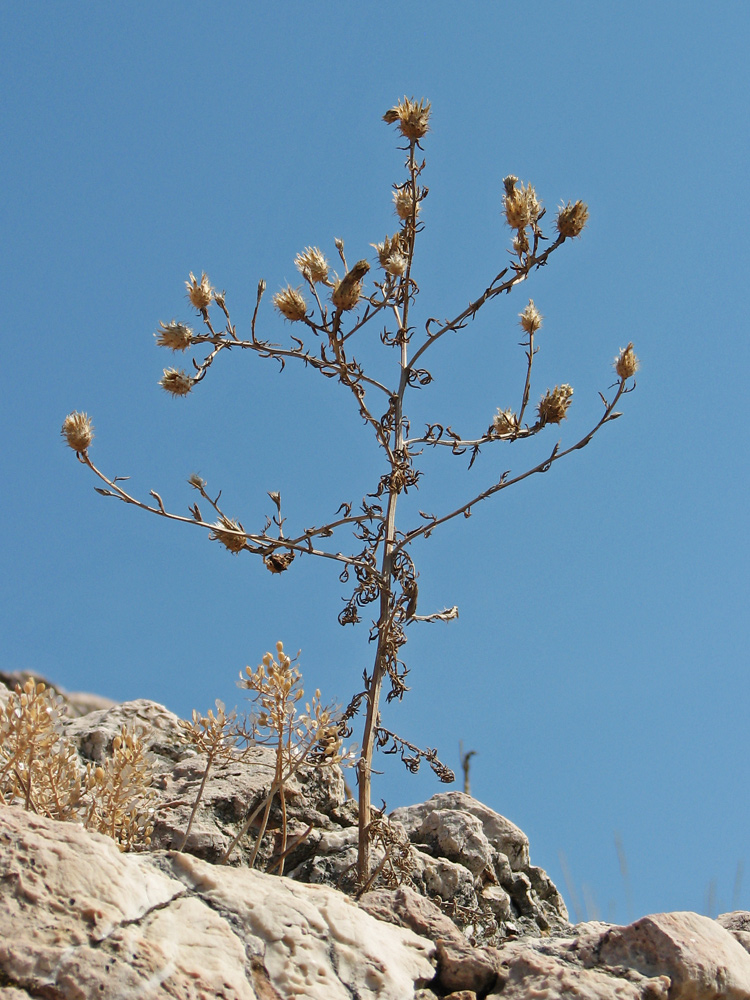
x=599, y=666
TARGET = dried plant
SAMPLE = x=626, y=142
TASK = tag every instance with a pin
x=333, y=311
x=313, y=738
x=215, y=736
x=40, y=770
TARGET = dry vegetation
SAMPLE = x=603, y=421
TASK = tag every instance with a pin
x=328, y=314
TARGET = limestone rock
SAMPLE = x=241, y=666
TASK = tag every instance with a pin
x=80, y=920
x=702, y=959
x=480, y=869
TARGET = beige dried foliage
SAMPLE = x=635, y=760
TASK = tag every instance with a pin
x=312, y=737
x=312, y=264
x=572, y=218
x=411, y=116
x=41, y=771
x=216, y=737
x=553, y=406
x=78, y=431
x=230, y=533
x=200, y=292
x=530, y=319
x=291, y=304
x=122, y=801
x=176, y=382
x=174, y=336
x=626, y=362
x=505, y=423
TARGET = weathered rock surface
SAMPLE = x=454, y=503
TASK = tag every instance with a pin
x=78, y=919
x=472, y=919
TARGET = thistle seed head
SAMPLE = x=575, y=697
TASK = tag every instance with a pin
x=176, y=336
x=530, y=319
x=390, y=248
x=411, y=116
x=522, y=207
x=291, y=304
x=505, y=423
x=312, y=265
x=571, y=219
x=396, y=265
x=553, y=406
x=200, y=292
x=404, y=204
x=78, y=431
x=178, y=383
x=196, y=481
x=626, y=363
x=347, y=292
x=230, y=533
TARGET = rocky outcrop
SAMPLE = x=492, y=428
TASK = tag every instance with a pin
x=459, y=911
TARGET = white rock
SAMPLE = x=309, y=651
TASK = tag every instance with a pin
x=79, y=920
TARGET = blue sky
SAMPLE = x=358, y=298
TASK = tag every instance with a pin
x=599, y=666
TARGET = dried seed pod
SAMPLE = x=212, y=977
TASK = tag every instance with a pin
x=78, y=431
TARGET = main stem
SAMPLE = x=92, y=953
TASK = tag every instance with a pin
x=387, y=607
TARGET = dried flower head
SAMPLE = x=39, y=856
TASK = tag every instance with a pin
x=291, y=304
x=178, y=383
x=412, y=118
x=196, y=481
x=571, y=219
x=346, y=293
x=404, y=204
x=396, y=265
x=312, y=265
x=278, y=562
x=200, y=292
x=626, y=363
x=176, y=336
x=78, y=431
x=230, y=533
x=530, y=318
x=522, y=207
x=505, y=423
x=553, y=406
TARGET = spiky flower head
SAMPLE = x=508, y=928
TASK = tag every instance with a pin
x=571, y=219
x=200, y=292
x=626, y=363
x=404, y=204
x=396, y=265
x=176, y=336
x=347, y=292
x=78, y=431
x=230, y=533
x=530, y=319
x=505, y=422
x=291, y=304
x=391, y=256
x=553, y=406
x=312, y=265
x=412, y=117
x=178, y=383
x=521, y=205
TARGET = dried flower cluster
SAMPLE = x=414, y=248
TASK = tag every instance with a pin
x=378, y=566
x=40, y=770
x=312, y=738
x=78, y=431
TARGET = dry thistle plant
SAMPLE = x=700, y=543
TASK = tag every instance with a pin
x=312, y=738
x=40, y=770
x=331, y=313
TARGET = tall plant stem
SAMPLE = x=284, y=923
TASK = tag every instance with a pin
x=387, y=607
